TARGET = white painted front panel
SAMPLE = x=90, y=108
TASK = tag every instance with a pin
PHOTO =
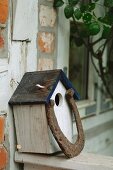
x=63, y=113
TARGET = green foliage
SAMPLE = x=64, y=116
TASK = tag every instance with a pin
x=84, y=12
x=91, y=6
x=87, y=18
x=108, y=3
x=94, y=28
x=73, y=2
x=58, y=3
x=77, y=13
x=83, y=8
x=92, y=23
x=106, y=31
x=68, y=11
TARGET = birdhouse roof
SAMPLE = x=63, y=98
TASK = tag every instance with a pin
x=38, y=87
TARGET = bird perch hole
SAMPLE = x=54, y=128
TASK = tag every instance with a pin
x=58, y=99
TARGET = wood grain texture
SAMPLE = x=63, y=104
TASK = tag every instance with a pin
x=85, y=161
x=36, y=167
x=31, y=128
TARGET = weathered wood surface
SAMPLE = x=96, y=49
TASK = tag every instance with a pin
x=31, y=124
x=85, y=161
x=37, y=167
x=32, y=129
x=38, y=87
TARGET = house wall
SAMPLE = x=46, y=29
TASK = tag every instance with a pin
x=35, y=38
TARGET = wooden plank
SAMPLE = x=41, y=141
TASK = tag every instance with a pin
x=36, y=167
x=100, y=144
x=85, y=161
x=31, y=128
x=99, y=129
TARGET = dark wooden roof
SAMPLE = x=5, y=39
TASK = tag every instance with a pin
x=28, y=92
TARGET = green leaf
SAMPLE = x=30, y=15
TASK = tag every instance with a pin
x=83, y=8
x=87, y=18
x=73, y=2
x=58, y=3
x=68, y=11
x=91, y=6
x=77, y=13
x=106, y=31
x=93, y=28
x=108, y=3
x=104, y=20
x=108, y=18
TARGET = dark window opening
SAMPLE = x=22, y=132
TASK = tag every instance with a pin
x=110, y=65
x=78, y=65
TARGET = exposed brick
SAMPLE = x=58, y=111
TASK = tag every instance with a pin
x=3, y=157
x=3, y=11
x=47, y=16
x=1, y=42
x=2, y=126
x=45, y=64
x=46, y=42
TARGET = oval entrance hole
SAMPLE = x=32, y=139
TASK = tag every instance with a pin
x=58, y=99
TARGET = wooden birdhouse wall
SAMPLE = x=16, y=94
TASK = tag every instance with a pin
x=32, y=129
x=30, y=101
x=62, y=111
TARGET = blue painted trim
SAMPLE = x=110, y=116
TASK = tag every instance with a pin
x=53, y=89
x=67, y=84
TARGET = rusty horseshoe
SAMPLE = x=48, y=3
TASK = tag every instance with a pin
x=68, y=148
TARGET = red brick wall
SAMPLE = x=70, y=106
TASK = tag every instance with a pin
x=3, y=19
x=3, y=152
x=3, y=11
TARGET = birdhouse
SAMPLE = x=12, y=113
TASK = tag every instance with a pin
x=42, y=113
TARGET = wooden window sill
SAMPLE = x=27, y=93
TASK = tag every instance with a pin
x=85, y=161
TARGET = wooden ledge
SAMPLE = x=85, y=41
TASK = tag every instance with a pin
x=85, y=161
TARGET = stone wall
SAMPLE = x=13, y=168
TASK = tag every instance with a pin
x=47, y=35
